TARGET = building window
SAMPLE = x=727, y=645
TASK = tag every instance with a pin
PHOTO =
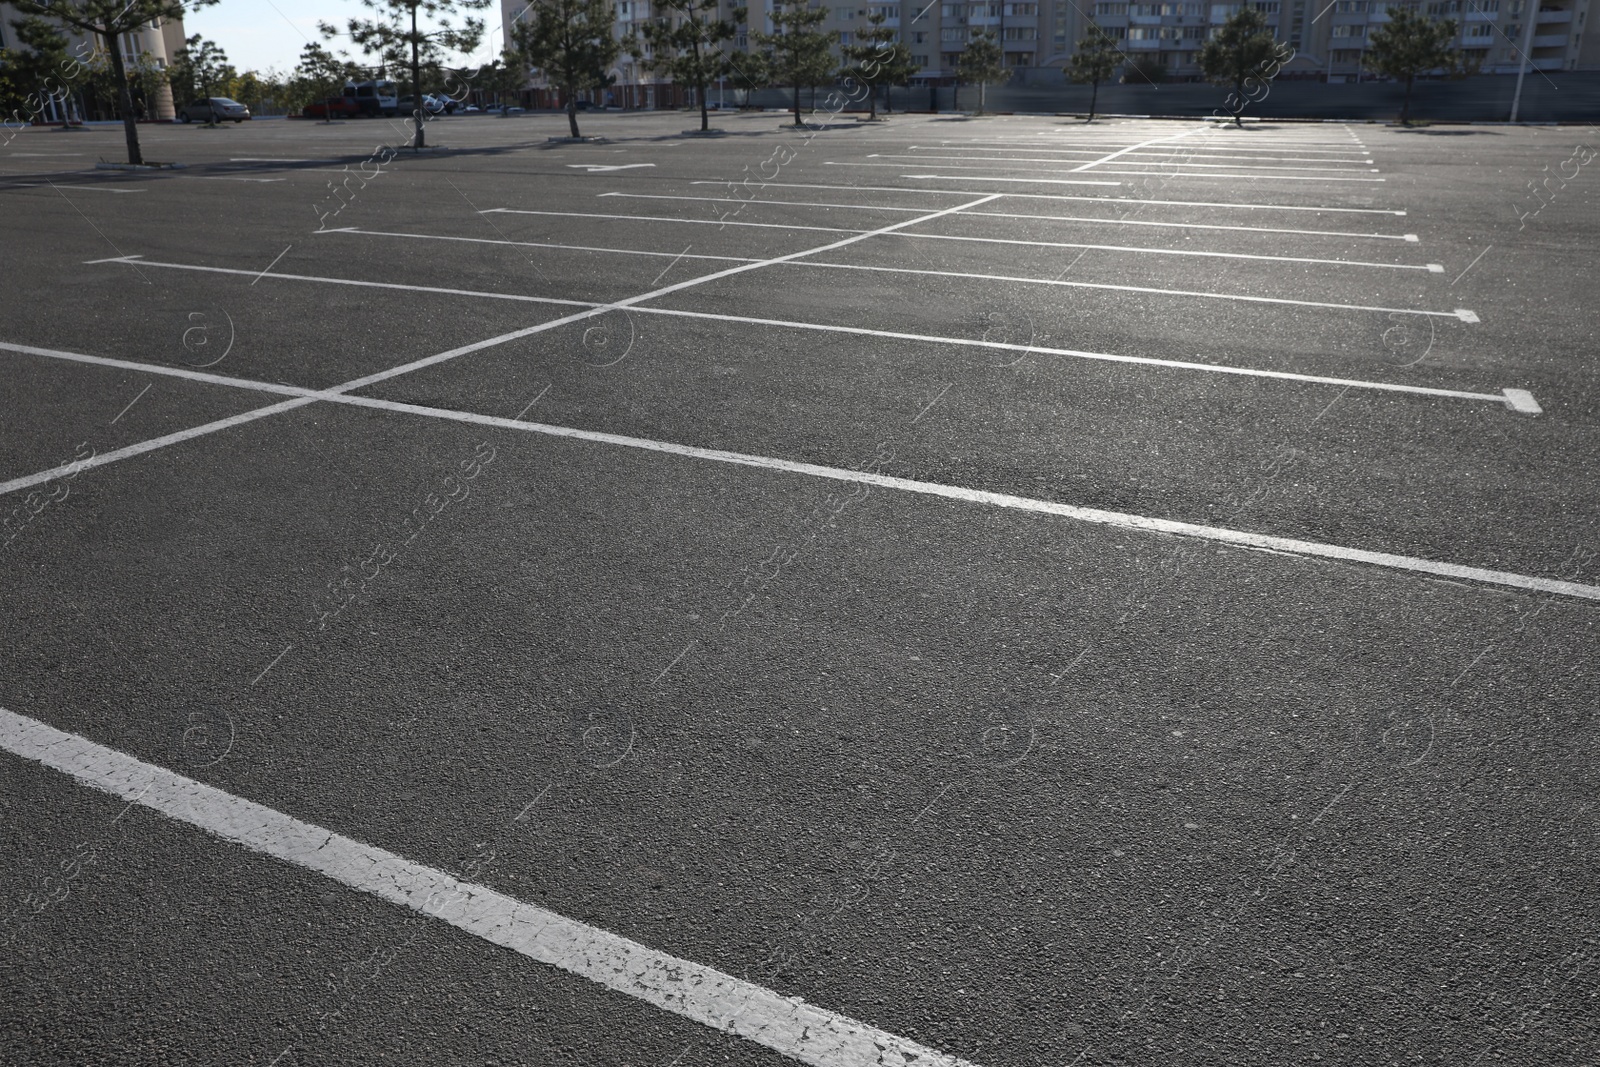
x=952, y=33
x=1349, y=31
x=1114, y=10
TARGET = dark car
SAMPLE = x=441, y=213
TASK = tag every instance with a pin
x=333, y=107
x=214, y=109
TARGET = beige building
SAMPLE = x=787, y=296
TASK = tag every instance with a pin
x=1330, y=38
x=156, y=44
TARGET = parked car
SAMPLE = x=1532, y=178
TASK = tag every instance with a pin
x=213, y=109
x=471, y=109
x=504, y=109
x=335, y=107
x=430, y=104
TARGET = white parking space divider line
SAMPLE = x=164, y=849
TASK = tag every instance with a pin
x=1142, y=144
x=1038, y=154
x=1022, y=163
x=1433, y=268
x=1069, y=181
x=477, y=346
x=1317, y=208
x=797, y=1030
x=551, y=244
x=1516, y=399
x=648, y=218
x=1408, y=237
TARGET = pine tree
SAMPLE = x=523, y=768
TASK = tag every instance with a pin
x=1411, y=44
x=108, y=20
x=1243, y=51
x=571, y=42
x=800, y=53
x=690, y=53
x=396, y=35
x=1094, y=61
x=879, y=59
x=981, y=64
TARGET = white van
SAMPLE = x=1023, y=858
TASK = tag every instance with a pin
x=375, y=97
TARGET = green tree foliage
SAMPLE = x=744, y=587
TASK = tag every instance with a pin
x=199, y=71
x=981, y=64
x=750, y=69
x=1244, y=55
x=108, y=20
x=1411, y=44
x=687, y=41
x=505, y=77
x=1094, y=61
x=878, y=59
x=44, y=70
x=801, y=54
x=571, y=42
x=319, y=75
x=394, y=33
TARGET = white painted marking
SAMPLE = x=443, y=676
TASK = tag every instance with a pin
x=1459, y=313
x=803, y=1032
x=592, y=167
x=1038, y=154
x=1430, y=267
x=542, y=244
x=1065, y=181
x=1257, y=177
x=1318, y=208
x=650, y=218
x=230, y=178
x=1019, y=163
x=1132, y=249
x=114, y=259
x=91, y=188
x=429, y=361
x=1135, y=147
x=1410, y=237
x=1523, y=401
x=901, y=166
x=276, y=159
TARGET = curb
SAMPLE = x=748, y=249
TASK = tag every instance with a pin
x=141, y=166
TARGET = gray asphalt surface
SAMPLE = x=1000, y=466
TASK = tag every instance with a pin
x=1026, y=789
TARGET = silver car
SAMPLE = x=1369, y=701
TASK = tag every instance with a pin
x=213, y=109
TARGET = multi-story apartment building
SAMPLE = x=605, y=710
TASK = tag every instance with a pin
x=156, y=43
x=1330, y=38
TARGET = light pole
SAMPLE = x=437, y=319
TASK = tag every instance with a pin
x=1522, y=68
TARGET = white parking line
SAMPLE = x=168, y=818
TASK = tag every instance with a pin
x=546, y=244
x=1434, y=268
x=1459, y=313
x=1068, y=181
x=647, y=218
x=1019, y=163
x=1519, y=400
x=428, y=361
x=1142, y=144
x=800, y=1031
x=1317, y=208
x=1408, y=237
x=1516, y=399
x=1037, y=153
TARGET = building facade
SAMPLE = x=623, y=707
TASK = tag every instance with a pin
x=1329, y=38
x=153, y=46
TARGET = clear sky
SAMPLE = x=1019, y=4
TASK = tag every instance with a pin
x=258, y=34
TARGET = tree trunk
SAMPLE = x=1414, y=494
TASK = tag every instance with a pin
x=416, y=82
x=1094, y=97
x=572, y=111
x=118, y=71
x=797, y=103
x=1405, y=105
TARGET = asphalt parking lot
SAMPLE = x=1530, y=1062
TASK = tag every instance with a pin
x=1000, y=591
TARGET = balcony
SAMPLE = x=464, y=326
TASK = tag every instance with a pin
x=1143, y=46
x=1550, y=40
x=1552, y=15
